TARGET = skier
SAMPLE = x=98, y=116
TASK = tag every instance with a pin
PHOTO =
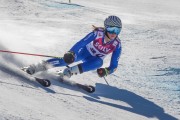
x=91, y=50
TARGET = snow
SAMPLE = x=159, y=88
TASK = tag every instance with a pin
x=145, y=86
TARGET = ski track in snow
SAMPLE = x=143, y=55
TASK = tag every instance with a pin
x=145, y=86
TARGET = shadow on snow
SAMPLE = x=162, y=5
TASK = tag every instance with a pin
x=170, y=71
x=139, y=105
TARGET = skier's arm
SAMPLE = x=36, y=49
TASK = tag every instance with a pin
x=83, y=42
x=70, y=56
x=113, y=64
x=114, y=59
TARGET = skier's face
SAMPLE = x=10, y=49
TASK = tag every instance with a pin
x=112, y=36
x=113, y=32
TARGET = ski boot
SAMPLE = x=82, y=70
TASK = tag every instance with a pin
x=68, y=72
x=34, y=68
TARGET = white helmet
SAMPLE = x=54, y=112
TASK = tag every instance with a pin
x=112, y=21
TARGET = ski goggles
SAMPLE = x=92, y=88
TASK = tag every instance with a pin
x=113, y=30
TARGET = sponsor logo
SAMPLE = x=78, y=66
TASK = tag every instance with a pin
x=115, y=43
x=102, y=48
x=55, y=62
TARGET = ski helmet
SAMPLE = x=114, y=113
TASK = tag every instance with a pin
x=112, y=21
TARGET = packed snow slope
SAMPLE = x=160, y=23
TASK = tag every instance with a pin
x=145, y=86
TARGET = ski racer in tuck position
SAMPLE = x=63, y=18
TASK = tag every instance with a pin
x=91, y=50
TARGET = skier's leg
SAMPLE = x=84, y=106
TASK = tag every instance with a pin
x=54, y=62
x=44, y=65
x=81, y=54
x=90, y=63
x=31, y=69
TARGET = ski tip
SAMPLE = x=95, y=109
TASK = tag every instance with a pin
x=43, y=82
x=48, y=83
x=91, y=89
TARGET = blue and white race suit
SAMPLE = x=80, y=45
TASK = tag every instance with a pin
x=92, y=49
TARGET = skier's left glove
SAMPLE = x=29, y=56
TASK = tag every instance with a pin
x=102, y=72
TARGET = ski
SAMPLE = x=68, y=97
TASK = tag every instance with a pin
x=43, y=82
x=87, y=88
x=47, y=83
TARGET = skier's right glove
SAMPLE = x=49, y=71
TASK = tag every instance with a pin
x=102, y=72
x=69, y=57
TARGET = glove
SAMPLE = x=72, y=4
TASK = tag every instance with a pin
x=69, y=57
x=102, y=72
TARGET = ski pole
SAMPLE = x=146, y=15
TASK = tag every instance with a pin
x=5, y=51
x=106, y=80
